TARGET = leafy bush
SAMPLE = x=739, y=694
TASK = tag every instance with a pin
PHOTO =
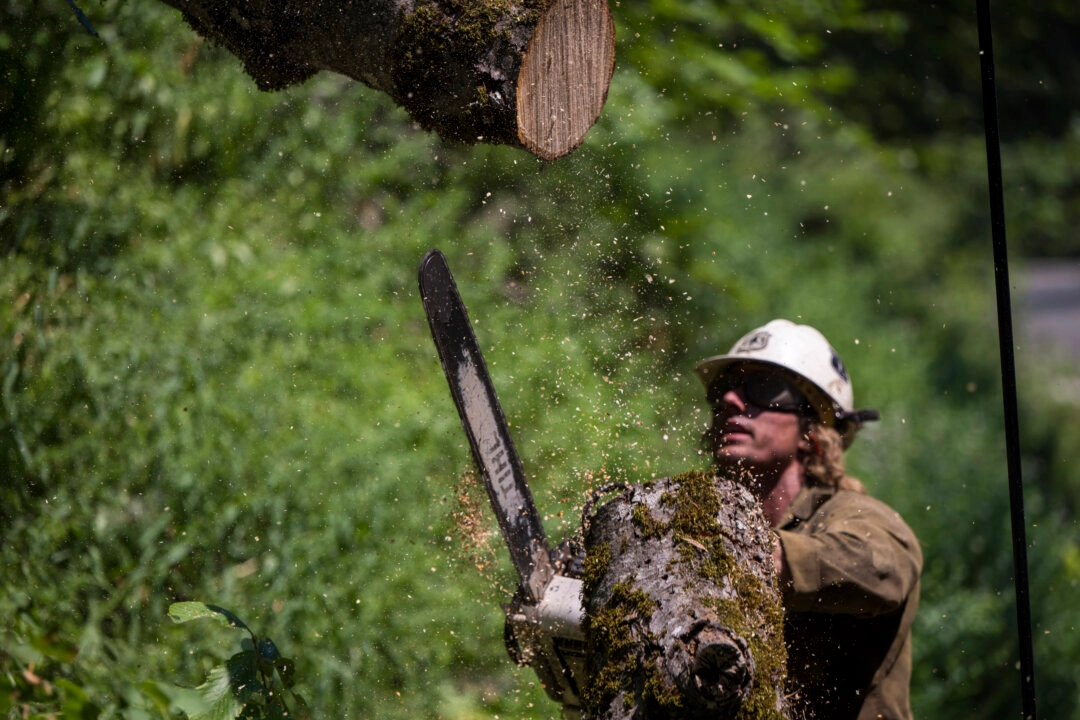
x=217, y=380
x=256, y=682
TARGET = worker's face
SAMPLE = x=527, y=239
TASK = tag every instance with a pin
x=757, y=423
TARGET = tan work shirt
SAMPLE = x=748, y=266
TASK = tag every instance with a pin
x=855, y=568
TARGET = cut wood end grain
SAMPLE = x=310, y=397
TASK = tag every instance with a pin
x=564, y=76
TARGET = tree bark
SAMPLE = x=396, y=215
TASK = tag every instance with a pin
x=682, y=616
x=528, y=73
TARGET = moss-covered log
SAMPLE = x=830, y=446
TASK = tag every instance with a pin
x=682, y=617
x=529, y=73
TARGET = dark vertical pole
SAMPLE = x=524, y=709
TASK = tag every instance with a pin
x=1008, y=368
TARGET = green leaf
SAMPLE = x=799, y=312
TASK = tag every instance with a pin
x=157, y=697
x=51, y=647
x=229, y=687
x=183, y=612
x=217, y=692
x=286, y=670
x=76, y=702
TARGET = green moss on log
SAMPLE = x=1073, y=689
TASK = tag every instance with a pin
x=438, y=59
x=755, y=605
x=656, y=692
x=650, y=527
x=597, y=561
x=695, y=506
x=610, y=630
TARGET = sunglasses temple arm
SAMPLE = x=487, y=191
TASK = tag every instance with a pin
x=858, y=416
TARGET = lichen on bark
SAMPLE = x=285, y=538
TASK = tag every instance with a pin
x=694, y=550
x=755, y=603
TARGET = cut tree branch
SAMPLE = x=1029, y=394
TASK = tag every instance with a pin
x=529, y=73
x=682, y=615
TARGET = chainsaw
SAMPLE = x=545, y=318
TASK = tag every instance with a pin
x=544, y=618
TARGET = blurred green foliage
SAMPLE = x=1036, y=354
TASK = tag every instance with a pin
x=257, y=683
x=217, y=380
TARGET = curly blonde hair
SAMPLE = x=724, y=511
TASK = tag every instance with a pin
x=825, y=465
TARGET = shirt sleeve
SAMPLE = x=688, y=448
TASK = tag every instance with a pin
x=855, y=555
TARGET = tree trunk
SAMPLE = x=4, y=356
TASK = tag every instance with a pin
x=682, y=617
x=528, y=73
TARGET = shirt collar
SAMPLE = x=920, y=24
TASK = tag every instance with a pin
x=805, y=504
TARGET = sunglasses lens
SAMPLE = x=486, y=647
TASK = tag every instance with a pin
x=772, y=392
x=768, y=391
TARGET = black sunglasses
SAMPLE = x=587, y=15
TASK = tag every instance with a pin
x=762, y=389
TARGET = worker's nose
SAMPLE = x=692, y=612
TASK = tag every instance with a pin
x=732, y=399
x=733, y=403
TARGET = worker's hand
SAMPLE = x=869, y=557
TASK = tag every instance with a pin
x=548, y=639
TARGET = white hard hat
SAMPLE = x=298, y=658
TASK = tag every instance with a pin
x=808, y=360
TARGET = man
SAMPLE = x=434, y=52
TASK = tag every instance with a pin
x=847, y=565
